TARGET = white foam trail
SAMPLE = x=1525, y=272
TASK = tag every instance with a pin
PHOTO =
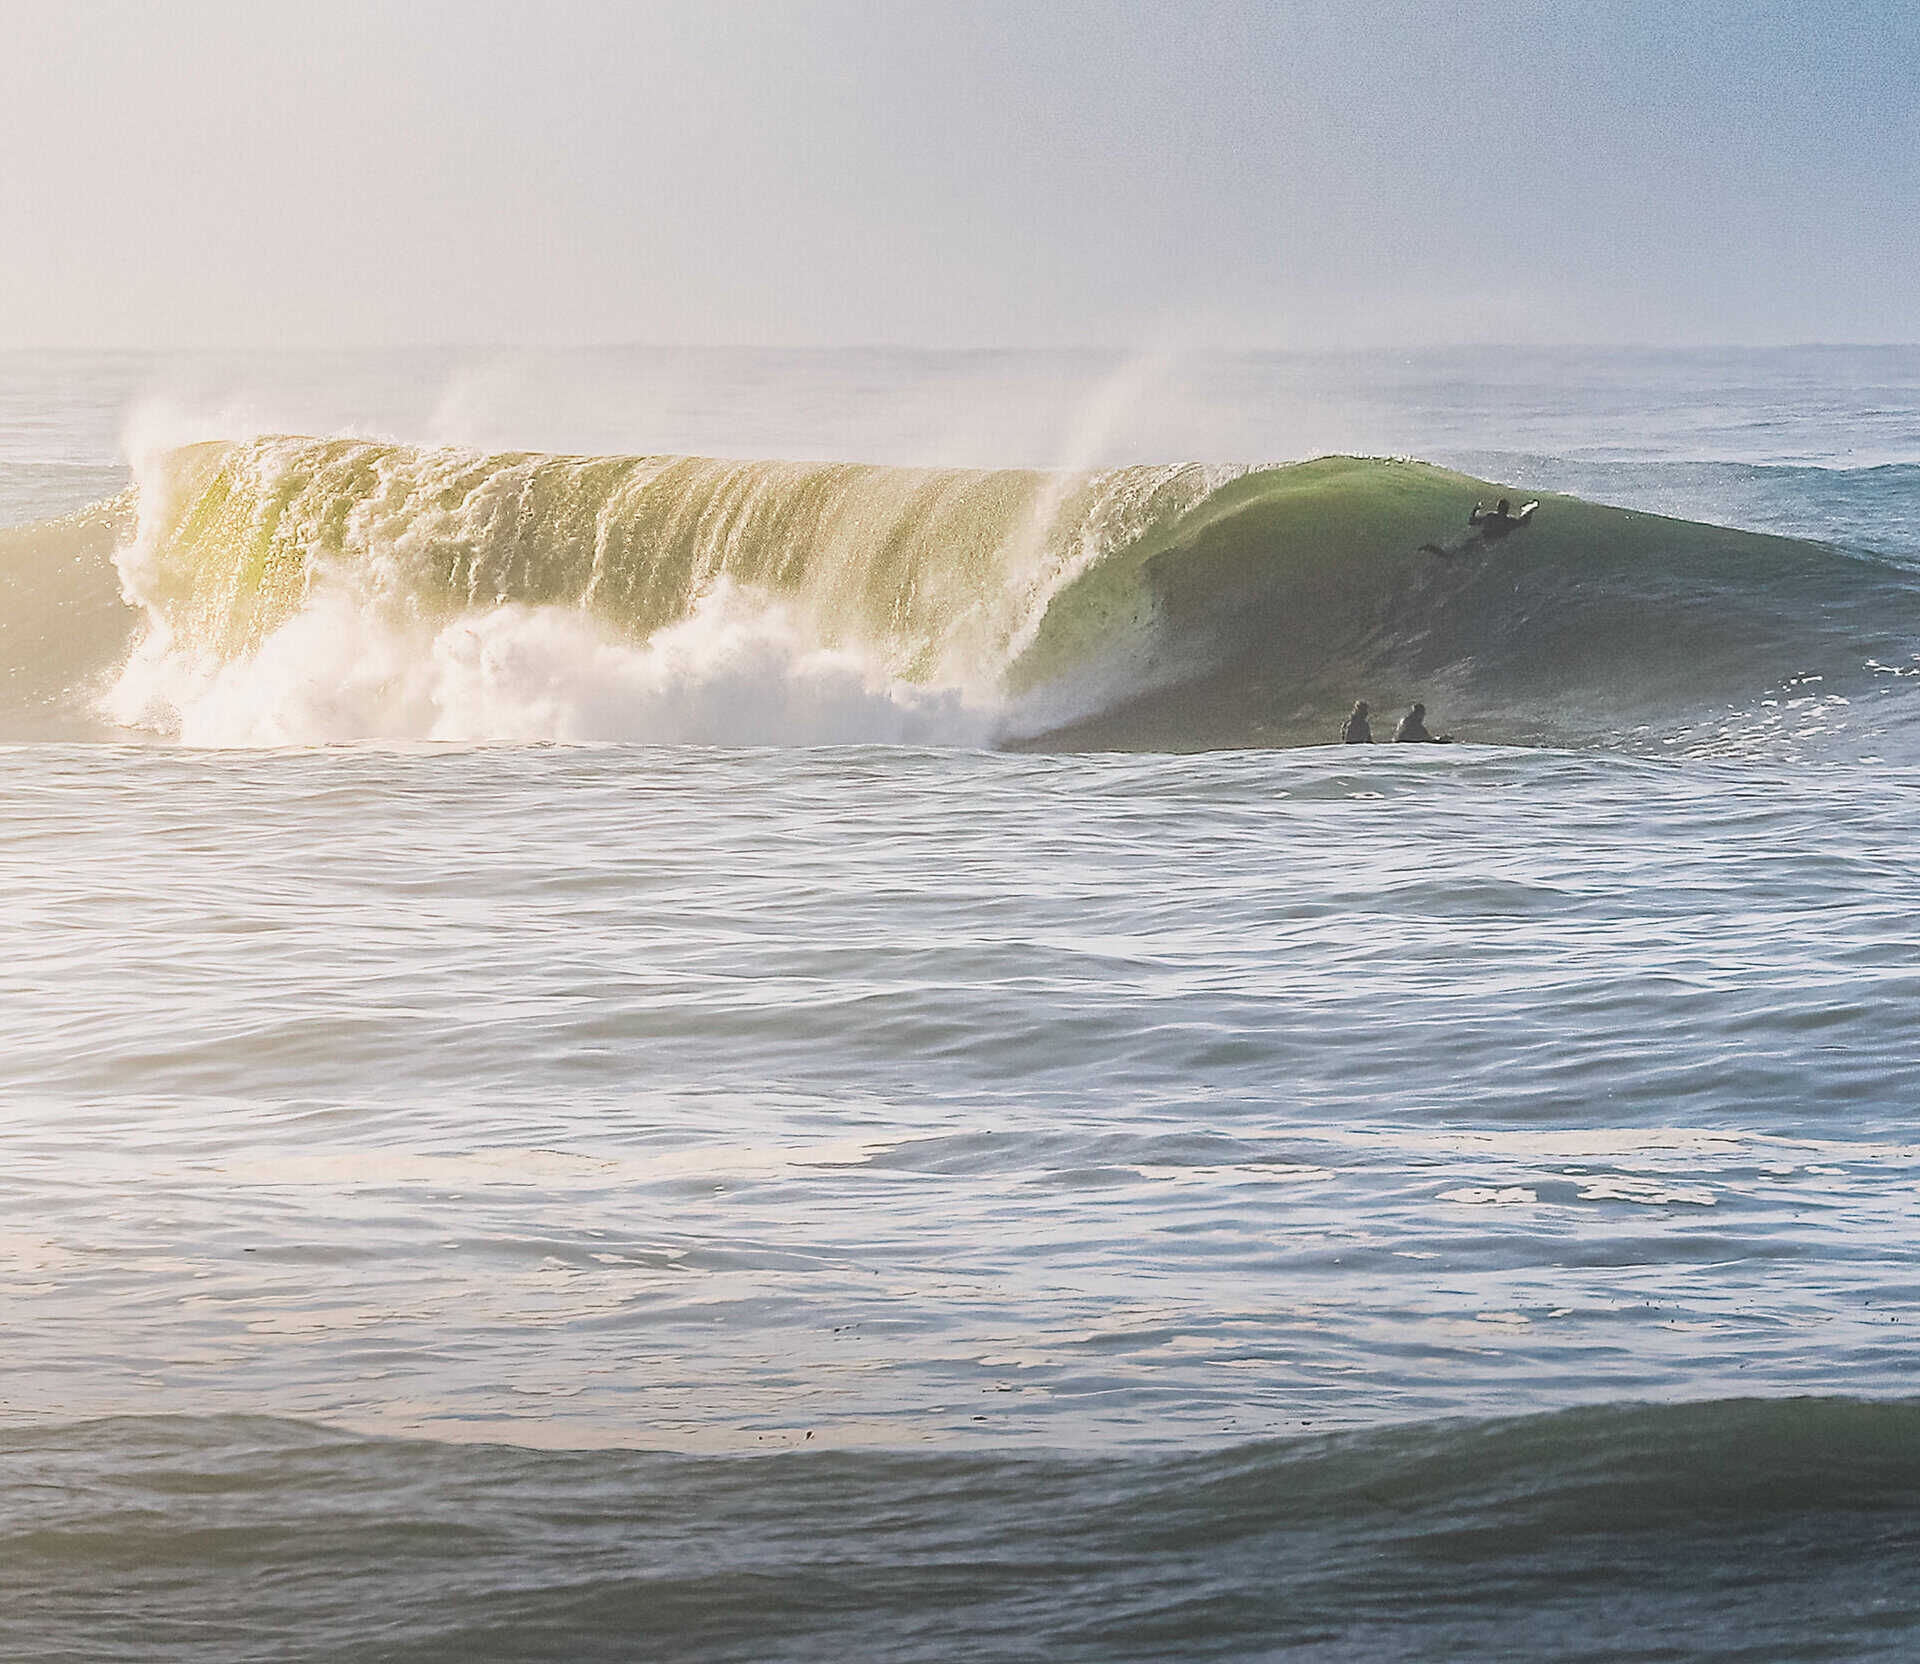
x=362, y=660
x=735, y=672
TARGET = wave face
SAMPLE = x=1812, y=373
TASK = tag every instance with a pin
x=302, y=591
x=1739, y=1529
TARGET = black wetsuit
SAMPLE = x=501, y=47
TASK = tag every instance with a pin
x=1358, y=731
x=1412, y=731
x=1491, y=523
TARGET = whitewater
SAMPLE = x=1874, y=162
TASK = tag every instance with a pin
x=730, y=1005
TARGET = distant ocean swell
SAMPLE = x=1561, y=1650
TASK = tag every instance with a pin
x=1739, y=1529
x=307, y=591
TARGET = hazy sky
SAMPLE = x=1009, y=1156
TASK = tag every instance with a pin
x=1354, y=172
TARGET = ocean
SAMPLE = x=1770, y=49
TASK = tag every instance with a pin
x=732, y=1005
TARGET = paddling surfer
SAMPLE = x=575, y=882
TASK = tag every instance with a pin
x=1494, y=524
x=1484, y=525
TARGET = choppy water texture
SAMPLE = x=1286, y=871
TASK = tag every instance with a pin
x=924, y=1200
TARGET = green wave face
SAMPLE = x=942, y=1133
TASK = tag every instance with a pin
x=1293, y=591
x=1168, y=607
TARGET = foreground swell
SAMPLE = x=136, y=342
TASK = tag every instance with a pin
x=1742, y=1529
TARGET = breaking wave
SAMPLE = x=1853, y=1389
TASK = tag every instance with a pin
x=300, y=591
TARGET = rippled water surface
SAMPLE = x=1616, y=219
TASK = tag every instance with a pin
x=712, y=1100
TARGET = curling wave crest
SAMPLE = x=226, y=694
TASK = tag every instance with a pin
x=293, y=591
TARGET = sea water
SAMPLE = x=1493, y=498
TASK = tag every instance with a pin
x=720, y=1139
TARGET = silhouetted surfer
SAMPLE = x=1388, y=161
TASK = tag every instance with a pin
x=1494, y=524
x=1358, y=730
x=1413, y=730
x=1485, y=525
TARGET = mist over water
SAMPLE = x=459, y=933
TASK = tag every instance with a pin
x=728, y=1006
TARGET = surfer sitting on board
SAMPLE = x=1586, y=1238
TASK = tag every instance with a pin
x=1485, y=525
x=1413, y=730
x=1358, y=730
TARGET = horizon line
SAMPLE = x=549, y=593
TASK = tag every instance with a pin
x=1081, y=349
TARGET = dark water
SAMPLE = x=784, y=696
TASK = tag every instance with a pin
x=1734, y=1530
